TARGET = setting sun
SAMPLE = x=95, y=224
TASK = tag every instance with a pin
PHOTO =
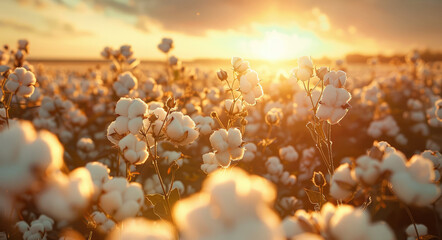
x=273, y=47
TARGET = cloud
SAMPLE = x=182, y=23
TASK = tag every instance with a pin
x=53, y=28
x=9, y=23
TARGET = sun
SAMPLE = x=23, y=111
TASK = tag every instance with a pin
x=274, y=46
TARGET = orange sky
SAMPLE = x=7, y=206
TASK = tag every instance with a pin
x=279, y=29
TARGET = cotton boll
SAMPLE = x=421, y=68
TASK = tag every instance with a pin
x=233, y=108
x=274, y=166
x=333, y=104
x=100, y=175
x=337, y=79
x=180, y=129
x=414, y=184
x=288, y=179
x=288, y=154
x=411, y=232
x=27, y=157
x=367, y=170
x=239, y=65
x=304, y=71
x=133, y=149
x=21, y=82
x=121, y=199
x=210, y=163
x=227, y=145
x=104, y=225
x=342, y=183
x=66, y=196
x=250, y=152
x=394, y=162
x=250, y=87
x=204, y=124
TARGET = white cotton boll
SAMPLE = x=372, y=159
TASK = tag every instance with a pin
x=421, y=169
x=100, y=175
x=412, y=192
x=180, y=129
x=250, y=87
x=135, y=125
x=122, y=107
x=99, y=217
x=233, y=108
x=204, y=124
x=250, y=152
x=223, y=158
x=234, y=137
x=274, y=166
x=86, y=144
x=27, y=157
x=111, y=201
x=342, y=183
x=411, y=232
x=218, y=140
x=333, y=104
x=239, y=65
x=394, y=162
x=288, y=154
x=21, y=82
x=65, y=197
x=349, y=223
x=121, y=125
x=180, y=186
x=367, y=170
x=133, y=192
x=287, y=179
x=127, y=210
x=22, y=226
x=118, y=184
x=210, y=164
x=172, y=156
x=142, y=229
x=137, y=108
x=336, y=79
x=401, y=139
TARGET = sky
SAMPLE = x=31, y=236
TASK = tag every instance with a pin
x=258, y=29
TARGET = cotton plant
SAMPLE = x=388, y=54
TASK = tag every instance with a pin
x=121, y=199
x=227, y=146
x=86, y=149
x=122, y=58
x=276, y=173
x=37, y=229
x=335, y=222
x=125, y=84
x=101, y=222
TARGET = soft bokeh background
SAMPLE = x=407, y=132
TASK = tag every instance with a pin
x=260, y=29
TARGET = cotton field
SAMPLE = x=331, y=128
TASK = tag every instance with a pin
x=177, y=152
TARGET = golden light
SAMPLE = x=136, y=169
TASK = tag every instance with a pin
x=274, y=46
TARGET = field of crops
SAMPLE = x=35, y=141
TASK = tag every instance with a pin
x=124, y=149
